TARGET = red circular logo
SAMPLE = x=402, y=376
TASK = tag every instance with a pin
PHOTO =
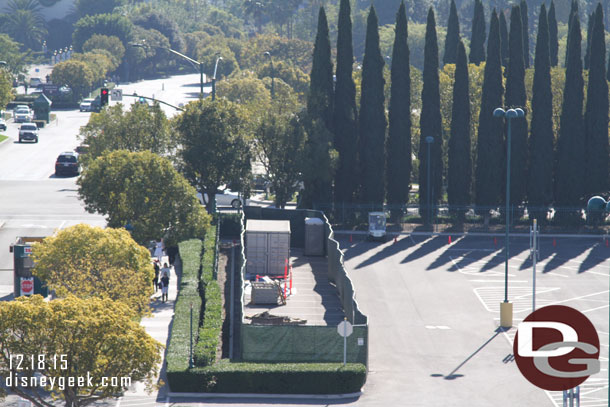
x=27, y=286
x=556, y=348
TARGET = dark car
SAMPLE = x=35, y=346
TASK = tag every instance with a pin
x=67, y=164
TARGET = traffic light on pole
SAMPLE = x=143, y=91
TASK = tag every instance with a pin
x=104, y=96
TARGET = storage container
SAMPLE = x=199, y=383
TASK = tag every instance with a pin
x=267, y=246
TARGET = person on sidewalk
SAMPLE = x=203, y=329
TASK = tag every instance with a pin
x=159, y=250
x=165, y=283
x=156, y=277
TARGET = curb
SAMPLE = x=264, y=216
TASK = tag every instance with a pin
x=478, y=234
x=266, y=396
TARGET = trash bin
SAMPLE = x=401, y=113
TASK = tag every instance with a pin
x=314, y=237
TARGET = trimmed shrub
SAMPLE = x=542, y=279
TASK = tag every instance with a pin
x=211, y=326
x=277, y=378
x=178, y=352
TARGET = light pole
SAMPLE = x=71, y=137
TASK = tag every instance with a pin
x=191, y=60
x=506, y=308
x=429, y=141
x=268, y=54
x=214, y=77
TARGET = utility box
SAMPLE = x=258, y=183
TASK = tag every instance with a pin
x=42, y=108
x=314, y=237
x=24, y=283
x=267, y=246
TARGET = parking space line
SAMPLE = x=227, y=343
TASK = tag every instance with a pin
x=596, y=308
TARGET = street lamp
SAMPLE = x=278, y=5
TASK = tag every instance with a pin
x=268, y=54
x=191, y=60
x=506, y=308
x=214, y=77
x=429, y=141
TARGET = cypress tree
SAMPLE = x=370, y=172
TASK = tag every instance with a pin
x=453, y=36
x=488, y=173
x=516, y=97
x=553, y=40
x=345, y=114
x=573, y=12
x=525, y=33
x=320, y=98
x=460, y=163
x=372, y=117
x=596, y=112
x=317, y=177
x=399, y=134
x=477, y=39
x=588, y=49
x=570, y=154
x=504, y=40
x=540, y=175
x=430, y=122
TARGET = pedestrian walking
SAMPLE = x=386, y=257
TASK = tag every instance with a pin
x=156, y=278
x=159, y=250
x=164, y=285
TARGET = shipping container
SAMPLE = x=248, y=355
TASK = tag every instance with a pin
x=267, y=246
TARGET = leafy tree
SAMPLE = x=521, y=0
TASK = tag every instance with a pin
x=553, y=41
x=146, y=60
x=143, y=190
x=111, y=44
x=246, y=89
x=256, y=9
x=345, y=114
x=7, y=93
x=281, y=149
x=319, y=110
x=289, y=73
x=477, y=39
x=294, y=51
x=143, y=128
x=488, y=172
x=210, y=53
x=98, y=337
x=24, y=23
x=453, y=36
x=166, y=26
x=596, y=112
x=525, y=33
x=540, y=177
x=516, y=97
x=504, y=40
x=59, y=33
x=213, y=148
x=399, y=134
x=430, y=124
x=91, y=7
x=10, y=53
x=372, y=125
x=77, y=75
x=87, y=261
x=100, y=63
x=104, y=24
x=460, y=161
x=570, y=154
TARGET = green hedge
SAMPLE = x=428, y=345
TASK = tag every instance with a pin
x=277, y=378
x=211, y=326
x=178, y=351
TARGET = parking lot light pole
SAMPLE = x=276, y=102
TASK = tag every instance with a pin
x=214, y=77
x=268, y=54
x=506, y=308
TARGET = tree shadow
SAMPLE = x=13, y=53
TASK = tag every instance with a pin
x=388, y=251
x=426, y=248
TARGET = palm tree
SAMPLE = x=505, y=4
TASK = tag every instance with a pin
x=23, y=21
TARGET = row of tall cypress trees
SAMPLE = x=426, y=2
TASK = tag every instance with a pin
x=545, y=170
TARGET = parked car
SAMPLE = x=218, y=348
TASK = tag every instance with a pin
x=2, y=124
x=226, y=197
x=85, y=105
x=67, y=163
x=22, y=114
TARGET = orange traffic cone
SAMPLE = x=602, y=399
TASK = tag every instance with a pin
x=449, y=240
x=554, y=243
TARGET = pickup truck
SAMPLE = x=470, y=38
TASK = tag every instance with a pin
x=28, y=131
x=22, y=114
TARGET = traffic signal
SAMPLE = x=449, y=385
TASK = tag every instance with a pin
x=104, y=97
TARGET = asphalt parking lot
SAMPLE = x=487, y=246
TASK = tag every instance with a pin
x=434, y=312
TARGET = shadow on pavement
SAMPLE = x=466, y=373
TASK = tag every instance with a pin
x=426, y=248
x=389, y=250
x=356, y=248
x=454, y=375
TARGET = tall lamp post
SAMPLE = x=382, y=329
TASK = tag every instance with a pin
x=268, y=54
x=506, y=308
x=191, y=60
x=429, y=141
x=219, y=58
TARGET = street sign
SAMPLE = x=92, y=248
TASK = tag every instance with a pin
x=27, y=286
x=116, y=95
x=345, y=329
